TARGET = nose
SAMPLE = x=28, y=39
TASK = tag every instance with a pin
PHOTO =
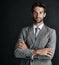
x=38, y=15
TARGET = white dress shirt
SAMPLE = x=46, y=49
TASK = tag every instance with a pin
x=40, y=27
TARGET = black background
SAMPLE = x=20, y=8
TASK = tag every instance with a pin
x=16, y=14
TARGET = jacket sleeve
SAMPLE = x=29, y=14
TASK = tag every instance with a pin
x=50, y=44
x=20, y=53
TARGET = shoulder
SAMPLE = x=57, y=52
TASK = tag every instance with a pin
x=26, y=29
x=50, y=29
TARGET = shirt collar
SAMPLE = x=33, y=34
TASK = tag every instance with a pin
x=40, y=26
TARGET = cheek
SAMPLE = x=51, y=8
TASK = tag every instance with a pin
x=34, y=15
x=42, y=16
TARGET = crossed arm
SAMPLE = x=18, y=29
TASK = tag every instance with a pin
x=22, y=51
x=44, y=51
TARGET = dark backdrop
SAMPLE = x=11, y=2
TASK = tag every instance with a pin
x=16, y=14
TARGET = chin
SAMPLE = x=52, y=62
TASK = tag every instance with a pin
x=38, y=21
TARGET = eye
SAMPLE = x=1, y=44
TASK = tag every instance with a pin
x=40, y=12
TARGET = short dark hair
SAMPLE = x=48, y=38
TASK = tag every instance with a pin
x=39, y=5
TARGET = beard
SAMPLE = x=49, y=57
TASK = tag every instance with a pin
x=37, y=20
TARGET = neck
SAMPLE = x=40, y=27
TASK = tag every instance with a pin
x=38, y=24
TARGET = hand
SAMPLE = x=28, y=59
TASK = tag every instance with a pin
x=44, y=51
x=22, y=45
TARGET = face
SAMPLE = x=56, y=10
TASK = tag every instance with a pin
x=38, y=14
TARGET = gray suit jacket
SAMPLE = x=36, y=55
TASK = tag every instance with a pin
x=45, y=39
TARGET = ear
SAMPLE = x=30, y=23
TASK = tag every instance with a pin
x=44, y=14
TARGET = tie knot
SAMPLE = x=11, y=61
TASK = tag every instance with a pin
x=37, y=28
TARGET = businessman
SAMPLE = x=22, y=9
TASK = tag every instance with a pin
x=36, y=43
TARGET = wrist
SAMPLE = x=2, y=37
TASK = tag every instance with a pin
x=38, y=52
x=34, y=52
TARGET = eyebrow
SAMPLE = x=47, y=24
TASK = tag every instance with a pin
x=40, y=11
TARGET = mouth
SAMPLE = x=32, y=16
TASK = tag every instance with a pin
x=38, y=18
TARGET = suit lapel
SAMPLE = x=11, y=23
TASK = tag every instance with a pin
x=32, y=35
x=42, y=32
x=40, y=36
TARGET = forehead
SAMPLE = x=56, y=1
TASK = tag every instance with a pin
x=37, y=8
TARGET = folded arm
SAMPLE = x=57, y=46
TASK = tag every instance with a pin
x=22, y=51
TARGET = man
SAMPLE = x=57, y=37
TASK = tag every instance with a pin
x=36, y=43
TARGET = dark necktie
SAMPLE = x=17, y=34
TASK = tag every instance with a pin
x=36, y=31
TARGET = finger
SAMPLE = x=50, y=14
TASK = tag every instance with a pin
x=21, y=41
x=19, y=45
x=48, y=55
x=51, y=52
x=51, y=49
